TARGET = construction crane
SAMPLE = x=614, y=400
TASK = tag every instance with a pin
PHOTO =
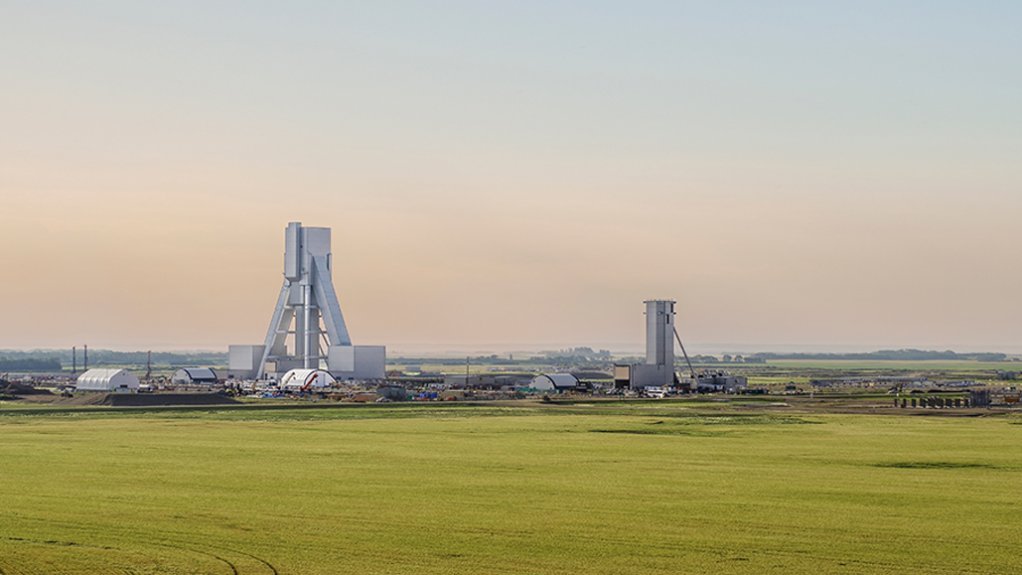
x=685, y=353
x=309, y=380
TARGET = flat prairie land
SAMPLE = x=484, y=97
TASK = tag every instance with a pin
x=927, y=366
x=615, y=488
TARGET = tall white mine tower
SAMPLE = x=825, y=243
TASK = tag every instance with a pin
x=307, y=329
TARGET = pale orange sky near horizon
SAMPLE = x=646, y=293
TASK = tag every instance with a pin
x=508, y=183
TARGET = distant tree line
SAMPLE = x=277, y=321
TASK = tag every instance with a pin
x=478, y=359
x=574, y=356
x=53, y=360
x=889, y=354
x=727, y=358
x=29, y=364
x=579, y=353
x=108, y=357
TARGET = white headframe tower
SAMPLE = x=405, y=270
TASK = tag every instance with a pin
x=307, y=302
x=307, y=329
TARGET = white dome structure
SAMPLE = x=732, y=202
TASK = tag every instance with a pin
x=307, y=379
x=107, y=380
x=554, y=382
x=194, y=376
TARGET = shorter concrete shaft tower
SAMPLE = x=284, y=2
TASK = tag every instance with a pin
x=658, y=368
x=660, y=332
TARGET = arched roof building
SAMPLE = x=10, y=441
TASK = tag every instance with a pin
x=194, y=376
x=107, y=380
x=307, y=379
x=554, y=382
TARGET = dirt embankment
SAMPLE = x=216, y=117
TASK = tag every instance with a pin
x=19, y=389
x=85, y=398
x=156, y=399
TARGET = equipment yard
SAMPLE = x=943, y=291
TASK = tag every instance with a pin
x=614, y=487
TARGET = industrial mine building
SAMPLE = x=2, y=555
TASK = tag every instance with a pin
x=657, y=371
x=658, y=368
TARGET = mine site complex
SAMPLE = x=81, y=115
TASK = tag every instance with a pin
x=309, y=355
x=314, y=452
x=510, y=288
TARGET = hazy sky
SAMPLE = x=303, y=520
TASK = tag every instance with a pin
x=514, y=174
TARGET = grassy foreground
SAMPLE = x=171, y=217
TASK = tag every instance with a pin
x=614, y=489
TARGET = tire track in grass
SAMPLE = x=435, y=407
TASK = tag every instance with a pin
x=269, y=565
x=217, y=554
x=174, y=541
x=234, y=567
x=867, y=564
x=230, y=565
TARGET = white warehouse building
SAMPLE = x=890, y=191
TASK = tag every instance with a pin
x=107, y=380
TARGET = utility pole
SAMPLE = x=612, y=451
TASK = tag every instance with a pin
x=149, y=366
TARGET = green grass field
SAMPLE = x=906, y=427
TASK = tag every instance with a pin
x=588, y=488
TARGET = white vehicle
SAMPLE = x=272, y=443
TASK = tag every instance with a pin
x=656, y=392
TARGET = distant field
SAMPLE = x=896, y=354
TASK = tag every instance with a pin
x=939, y=365
x=953, y=366
x=616, y=488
